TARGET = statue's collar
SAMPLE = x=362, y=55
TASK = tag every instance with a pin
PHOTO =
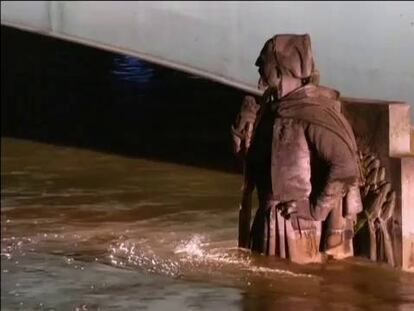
x=311, y=90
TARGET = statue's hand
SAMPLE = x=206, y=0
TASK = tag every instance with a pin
x=378, y=197
x=379, y=204
x=242, y=129
x=375, y=200
x=237, y=138
x=388, y=208
x=287, y=208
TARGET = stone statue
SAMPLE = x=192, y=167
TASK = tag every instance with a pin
x=301, y=156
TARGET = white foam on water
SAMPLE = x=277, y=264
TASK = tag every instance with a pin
x=192, y=253
x=129, y=254
x=280, y=271
x=192, y=247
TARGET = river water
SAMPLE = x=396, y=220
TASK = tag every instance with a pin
x=118, y=192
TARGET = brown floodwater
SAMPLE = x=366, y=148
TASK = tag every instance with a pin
x=87, y=230
x=119, y=192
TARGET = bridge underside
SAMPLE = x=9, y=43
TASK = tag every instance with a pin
x=113, y=27
x=221, y=40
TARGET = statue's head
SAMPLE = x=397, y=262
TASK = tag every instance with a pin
x=286, y=63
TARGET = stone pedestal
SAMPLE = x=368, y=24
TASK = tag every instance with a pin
x=383, y=127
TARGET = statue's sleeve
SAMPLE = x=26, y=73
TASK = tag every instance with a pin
x=331, y=149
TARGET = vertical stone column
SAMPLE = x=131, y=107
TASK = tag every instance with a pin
x=407, y=212
x=383, y=127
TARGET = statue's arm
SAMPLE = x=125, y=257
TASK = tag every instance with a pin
x=243, y=126
x=342, y=170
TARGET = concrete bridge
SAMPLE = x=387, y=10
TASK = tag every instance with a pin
x=364, y=49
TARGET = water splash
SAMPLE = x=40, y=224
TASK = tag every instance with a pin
x=199, y=251
x=189, y=255
x=220, y=257
x=128, y=254
x=267, y=270
x=192, y=247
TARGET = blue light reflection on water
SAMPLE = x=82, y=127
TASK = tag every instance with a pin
x=128, y=68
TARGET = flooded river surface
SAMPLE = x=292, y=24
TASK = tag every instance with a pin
x=92, y=231
x=119, y=192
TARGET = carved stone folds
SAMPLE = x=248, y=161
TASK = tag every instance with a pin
x=382, y=129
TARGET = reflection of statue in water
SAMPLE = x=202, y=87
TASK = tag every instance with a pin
x=301, y=155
